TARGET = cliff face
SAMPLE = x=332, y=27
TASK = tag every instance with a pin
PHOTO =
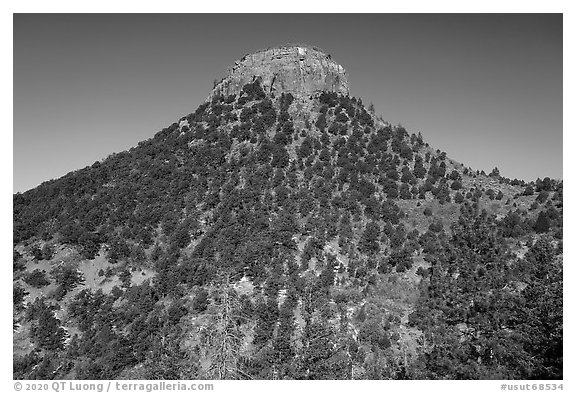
x=300, y=70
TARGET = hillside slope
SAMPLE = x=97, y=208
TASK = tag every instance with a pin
x=284, y=231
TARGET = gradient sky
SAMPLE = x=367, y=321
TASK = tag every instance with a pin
x=487, y=89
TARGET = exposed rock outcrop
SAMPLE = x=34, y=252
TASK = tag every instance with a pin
x=298, y=69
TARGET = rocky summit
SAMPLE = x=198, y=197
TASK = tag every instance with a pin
x=301, y=70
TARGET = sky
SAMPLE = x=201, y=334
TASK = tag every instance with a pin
x=485, y=88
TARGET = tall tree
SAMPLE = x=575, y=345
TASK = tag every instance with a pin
x=222, y=338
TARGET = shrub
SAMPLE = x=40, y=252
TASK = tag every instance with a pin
x=67, y=277
x=37, y=279
x=18, y=295
x=422, y=272
x=456, y=185
x=436, y=226
x=542, y=196
x=529, y=190
x=458, y=198
x=200, y=302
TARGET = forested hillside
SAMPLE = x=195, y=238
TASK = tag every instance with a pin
x=268, y=236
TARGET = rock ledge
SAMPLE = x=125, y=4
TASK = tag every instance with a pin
x=298, y=69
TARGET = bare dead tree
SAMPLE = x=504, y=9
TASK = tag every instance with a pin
x=223, y=337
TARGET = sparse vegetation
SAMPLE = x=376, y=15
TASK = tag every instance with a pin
x=283, y=243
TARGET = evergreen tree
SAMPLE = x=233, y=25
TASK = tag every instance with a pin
x=542, y=223
x=47, y=331
x=369, y=241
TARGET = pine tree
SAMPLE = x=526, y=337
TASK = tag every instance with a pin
x=47, y=331
x=369, y=241
x=283, y=347
x=542, y=224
